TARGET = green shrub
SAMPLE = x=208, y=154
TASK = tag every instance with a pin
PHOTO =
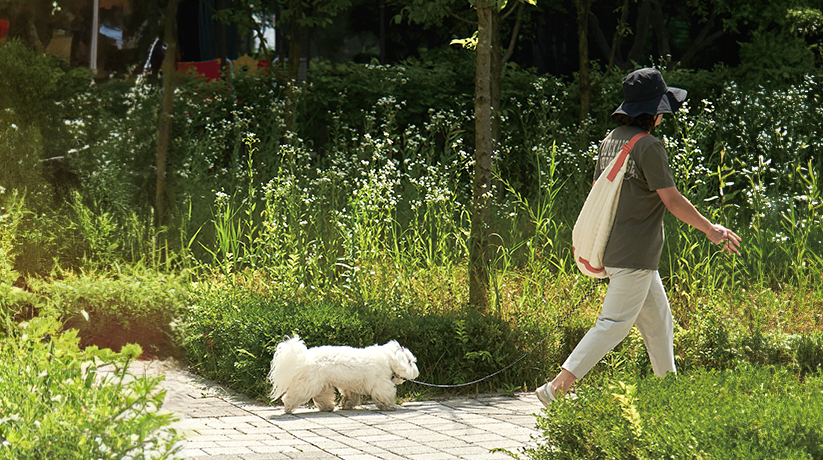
x=38, y=96
x=712, y=341
x=345, y=93
x=59, y=402
x=456, y=346
x=229, y=334
x=746, y=413
x=111, y=309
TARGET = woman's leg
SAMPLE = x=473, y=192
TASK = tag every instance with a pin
x=657, y=328
x=628, y=289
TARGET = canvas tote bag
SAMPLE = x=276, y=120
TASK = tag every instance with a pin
x=594, y=224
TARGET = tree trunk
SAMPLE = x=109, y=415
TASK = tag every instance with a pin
x=660, y=30
x=382, y=39
x=495, y=77
x=517, y=22
x=164, y=134
x=295, y=52
x=221, y=46
x=612, y=50
x=481, y=193
x=641, y=31
x=583, y=12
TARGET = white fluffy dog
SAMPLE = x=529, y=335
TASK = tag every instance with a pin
x=299, y=374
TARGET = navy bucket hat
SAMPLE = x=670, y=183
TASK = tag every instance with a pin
x=644, y=91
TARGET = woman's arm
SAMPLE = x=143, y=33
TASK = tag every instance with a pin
x=681, y=208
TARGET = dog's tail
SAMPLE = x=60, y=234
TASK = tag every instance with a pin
x=289, y=356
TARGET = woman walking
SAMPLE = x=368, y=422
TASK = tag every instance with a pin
x=635, y=294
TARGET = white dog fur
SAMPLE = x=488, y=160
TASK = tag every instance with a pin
x=299, y=374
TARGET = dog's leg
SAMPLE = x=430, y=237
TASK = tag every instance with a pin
x=350, y=400
x=293, y=400
x=325, y=400
x=384, y=395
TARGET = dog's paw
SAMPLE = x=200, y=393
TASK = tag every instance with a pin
x=385, y=407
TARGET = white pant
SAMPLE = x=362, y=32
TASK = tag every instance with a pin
x=634, y=297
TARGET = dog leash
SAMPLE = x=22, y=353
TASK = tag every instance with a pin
x=556, y=326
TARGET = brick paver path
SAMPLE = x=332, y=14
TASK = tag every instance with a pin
x=220, y=424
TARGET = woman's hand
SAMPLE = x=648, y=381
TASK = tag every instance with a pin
x=725, y=237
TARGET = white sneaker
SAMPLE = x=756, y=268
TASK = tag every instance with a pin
x=545, y=394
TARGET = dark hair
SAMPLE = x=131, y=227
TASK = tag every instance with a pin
x=644, y=121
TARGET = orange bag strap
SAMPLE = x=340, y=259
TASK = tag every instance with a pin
x=623, y=154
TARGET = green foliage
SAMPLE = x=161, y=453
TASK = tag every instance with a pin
x=58, y=131
x=12, y=212
x=711, y=340
x=808, y=23
x=59, y=402
x=353, y=228
x=29, y=81
x=308, y=14
x=229, y=333
x=131, y=304
x=313, y=222
x=782, y=46
x=457, y=346
x=756, y=175
x=123, y=296
x=776, y=57
x=13, y=299
x=380, y=164
x=37, y=95
x=748, y=412
x=344, y=95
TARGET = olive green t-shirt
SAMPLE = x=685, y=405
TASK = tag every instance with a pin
x=636, y=240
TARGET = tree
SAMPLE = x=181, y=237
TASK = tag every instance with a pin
x=698, y=25
x=488, y=78
x=169, y=84
x=583, y=8
x=479, y=256
x=650, y=15
x=301, y=15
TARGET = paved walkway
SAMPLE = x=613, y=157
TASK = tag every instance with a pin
x=220, y=424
